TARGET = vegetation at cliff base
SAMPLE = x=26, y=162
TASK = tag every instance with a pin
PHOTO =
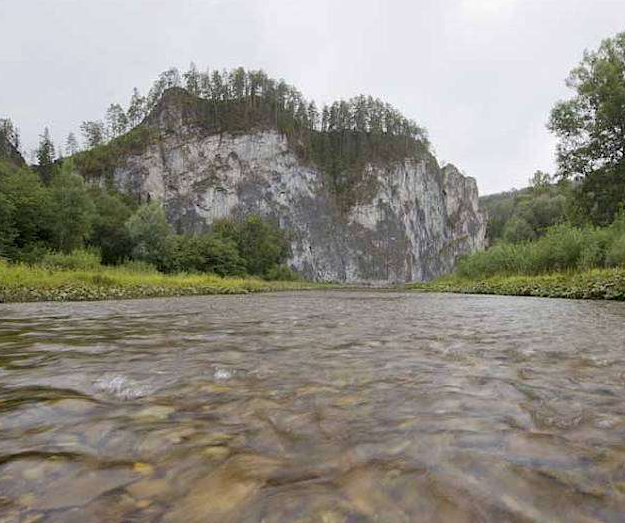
x=60, y=238
x=597, y=284
x=69, y=279
x=564, y=236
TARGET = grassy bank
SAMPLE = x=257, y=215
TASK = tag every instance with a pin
x=598, y=284
x=21, y=283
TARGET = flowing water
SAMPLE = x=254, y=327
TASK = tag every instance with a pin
x=330, y=407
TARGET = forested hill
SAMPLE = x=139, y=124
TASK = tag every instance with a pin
x=340, y=138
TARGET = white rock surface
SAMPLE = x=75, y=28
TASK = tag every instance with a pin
x=420, y=219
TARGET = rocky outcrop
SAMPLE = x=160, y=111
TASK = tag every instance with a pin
x=9, y=152
x=413, y=223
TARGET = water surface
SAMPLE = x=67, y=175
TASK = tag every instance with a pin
x=330, y=407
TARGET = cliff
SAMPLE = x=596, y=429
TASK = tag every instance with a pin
x=407, y=219
x=9, y=153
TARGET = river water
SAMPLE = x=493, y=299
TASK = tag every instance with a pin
x=330, y=407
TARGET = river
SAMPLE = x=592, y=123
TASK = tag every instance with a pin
x=329, y=406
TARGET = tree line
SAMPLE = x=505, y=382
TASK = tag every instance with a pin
x=40, y=216
x=588, y=188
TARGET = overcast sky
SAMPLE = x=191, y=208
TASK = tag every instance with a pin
x=480, y=75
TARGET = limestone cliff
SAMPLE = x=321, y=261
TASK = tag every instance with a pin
x=411, y=223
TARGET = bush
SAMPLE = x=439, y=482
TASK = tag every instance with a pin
x=151, y=235
x=518, y=229
x=80, y=259
x=282, y=273
x=562, y=248
x=109, y=232
x=616, y=254
x=207, y=253
x=261, y=243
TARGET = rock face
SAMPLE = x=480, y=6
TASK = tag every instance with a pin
x=419, y=219
x=9, y=152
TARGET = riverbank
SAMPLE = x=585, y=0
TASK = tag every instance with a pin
x=596, y=284
x=25, y=283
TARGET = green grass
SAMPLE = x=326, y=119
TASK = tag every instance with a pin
x=22, y=283
x=597, y=284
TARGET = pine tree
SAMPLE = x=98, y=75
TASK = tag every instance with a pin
x=93, y=132
x=136, y=108
x=45, y=155
x=192, y=80
x=313, y=115
x=71, y=145
x=116, y=119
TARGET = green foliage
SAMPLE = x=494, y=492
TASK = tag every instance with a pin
x=262, y=244
x=72, y=210
x=8, y=231
x=55, y=222
x=208, y=253
x=45, y=156
x=616, y=254
x=139, y=267
x=100, y=161
x=282, y=273
x=151, y=235
x=19, y=282
x=562, y=248
x=526, y=214
x=80, y=259
x=341, y=140
x=517, y=229
x=589, y=127
x=109, y=232
x=28, y=212
x=596, y=284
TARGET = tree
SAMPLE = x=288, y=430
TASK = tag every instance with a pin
x=517, y=230
x=136, y=108
x=192, y=80
x=208, y=253
x=151, y=235
x=262, y=244
x=45, y=155
x=93, y=133
x=27, y=209
x=116, y=120
x=540, y=182
x=166, y=80
x=71, y=145
x=109, y=232
x=590, y=126
x=8, y=231
x=10, y=132
x=72, y=209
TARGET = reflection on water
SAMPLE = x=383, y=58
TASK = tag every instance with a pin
x=331, y=407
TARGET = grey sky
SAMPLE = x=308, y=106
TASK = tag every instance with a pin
x=480, y=75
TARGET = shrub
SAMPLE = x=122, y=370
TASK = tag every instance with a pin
x=109, y=232
x=208, y=253
x=151, y=235
x=616, y=254
x=80, y=259
x=282, y=273
x=261, y=243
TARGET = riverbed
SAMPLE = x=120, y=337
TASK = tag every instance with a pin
x=321, y=406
